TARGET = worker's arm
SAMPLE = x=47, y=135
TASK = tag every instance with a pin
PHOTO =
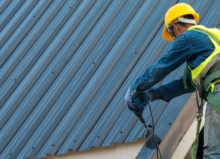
x=174, y=57
x=171, y=90
x=179, y=52
x=165, y=92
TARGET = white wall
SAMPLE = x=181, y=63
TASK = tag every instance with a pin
x=122, y=151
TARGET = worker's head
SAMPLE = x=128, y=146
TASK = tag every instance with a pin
x=178, y=19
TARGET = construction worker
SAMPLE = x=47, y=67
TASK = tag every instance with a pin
x=199, y=47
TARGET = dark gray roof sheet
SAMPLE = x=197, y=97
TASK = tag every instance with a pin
x=65, y=68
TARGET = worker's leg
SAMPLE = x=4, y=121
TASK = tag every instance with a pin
x=212, y=131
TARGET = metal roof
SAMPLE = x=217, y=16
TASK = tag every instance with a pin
x=66, y=65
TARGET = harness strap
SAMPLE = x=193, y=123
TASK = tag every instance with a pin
x=209, y=83
x=212, y=75
x=199, y=114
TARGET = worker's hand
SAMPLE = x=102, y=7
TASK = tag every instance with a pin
x=136, y=101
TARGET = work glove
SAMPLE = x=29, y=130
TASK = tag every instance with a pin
x=136, y=101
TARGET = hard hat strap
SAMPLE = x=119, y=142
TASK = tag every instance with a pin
x=170, y=30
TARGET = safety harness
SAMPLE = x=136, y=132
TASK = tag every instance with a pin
x=207, y=74
x=204, y=77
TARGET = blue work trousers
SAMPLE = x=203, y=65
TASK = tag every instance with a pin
x=212, y=130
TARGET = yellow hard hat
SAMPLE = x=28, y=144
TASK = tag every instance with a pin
x=175, y=12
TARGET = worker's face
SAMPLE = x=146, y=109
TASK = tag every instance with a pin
x=178, y=29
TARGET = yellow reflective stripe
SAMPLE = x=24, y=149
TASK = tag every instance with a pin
x=212, y=86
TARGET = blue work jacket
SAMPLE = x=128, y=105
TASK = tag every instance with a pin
x=192, y=47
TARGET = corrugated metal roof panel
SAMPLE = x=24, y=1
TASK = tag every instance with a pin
x=66, y=65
